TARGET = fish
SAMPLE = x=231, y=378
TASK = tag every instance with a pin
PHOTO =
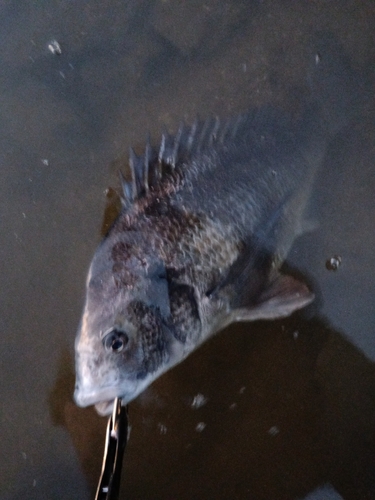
x=208, y=218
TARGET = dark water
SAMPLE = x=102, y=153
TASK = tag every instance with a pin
x=289, y=406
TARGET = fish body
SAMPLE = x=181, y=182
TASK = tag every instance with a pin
x=208, y=218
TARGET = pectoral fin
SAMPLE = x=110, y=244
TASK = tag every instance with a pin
x=281, y=298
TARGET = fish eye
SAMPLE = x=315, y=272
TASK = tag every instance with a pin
x=115, y=340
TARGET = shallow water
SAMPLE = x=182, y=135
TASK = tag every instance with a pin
x=289, y=406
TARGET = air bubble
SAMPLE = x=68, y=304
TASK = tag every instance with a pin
x=200, y=427
x=198, y=401
x=333, y=263
x=162, y=428
x=55, y=47
x=273, y=431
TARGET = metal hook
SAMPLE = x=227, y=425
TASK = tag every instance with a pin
x=115, y=444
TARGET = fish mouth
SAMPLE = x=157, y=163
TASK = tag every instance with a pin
x=105, y=408
x=87, y=394
x=103, y=399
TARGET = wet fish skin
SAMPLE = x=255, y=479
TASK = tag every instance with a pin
x=208, y=218
x=197, y=251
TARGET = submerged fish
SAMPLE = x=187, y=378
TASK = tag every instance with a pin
x=207, y=220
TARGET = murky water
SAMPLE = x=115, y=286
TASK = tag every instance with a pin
x=286, y=409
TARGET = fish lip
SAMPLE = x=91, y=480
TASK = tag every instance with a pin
x=102, y=398
x=104, y=408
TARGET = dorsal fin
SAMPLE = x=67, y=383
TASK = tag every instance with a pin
x=235, y=125
x=162, y=147
x=148, y=170
x=224, y=130
x=192, y=135
x=213, y=135
x=166, y=154
x=176, y=144
x=132, y=184
x=126, y=197
x=202, y=135
x=146, y=165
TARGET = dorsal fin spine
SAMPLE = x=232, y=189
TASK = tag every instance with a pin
x=191, y=138
x=146, y=164
x=176, y=144
x=132, y=166
x=214, y=131
x=162, y=148
x=202, y=135
x=236, y=125
x=224, y=130
x=125, y=198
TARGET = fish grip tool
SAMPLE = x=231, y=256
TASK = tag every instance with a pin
x=115, y=444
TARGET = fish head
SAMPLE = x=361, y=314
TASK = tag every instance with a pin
x=123, y=342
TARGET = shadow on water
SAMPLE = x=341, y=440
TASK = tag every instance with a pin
x=267, y=410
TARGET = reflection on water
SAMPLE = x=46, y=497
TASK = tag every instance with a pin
x=288, y=406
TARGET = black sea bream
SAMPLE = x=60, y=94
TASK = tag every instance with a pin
x=208, y=218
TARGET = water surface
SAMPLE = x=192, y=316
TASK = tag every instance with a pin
x=289, y=405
